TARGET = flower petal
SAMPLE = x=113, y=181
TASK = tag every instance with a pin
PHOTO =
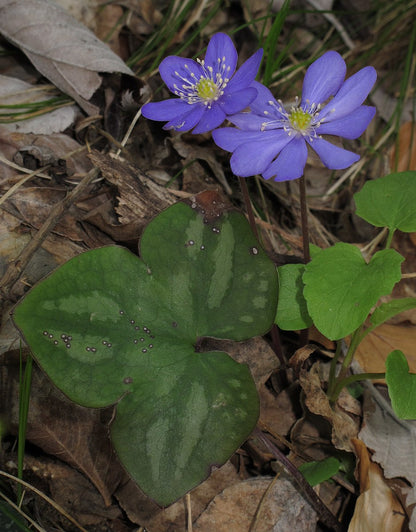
x=264, y=96
x=221, y=48
x=291, y=162
x=247, y=121
x=246, y=74
x=236, y=101
x=229, y=138
x=211, y=119
x=351, y=126
x=187, y=120
x=165, y=110
x=254, y=157
x=351, y=95
x=178, y=71
x=323, y=78
x=332, y=156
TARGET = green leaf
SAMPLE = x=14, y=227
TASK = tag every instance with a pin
x=341, y=288
x=109, y=328
x=389, y=201
x=317, y=472
x=401, y=385
x=292, y=313
x=389, y=309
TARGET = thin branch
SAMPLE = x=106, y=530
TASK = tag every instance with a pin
x=325, y=516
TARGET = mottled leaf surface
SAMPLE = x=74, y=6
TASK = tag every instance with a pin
x=110, y=328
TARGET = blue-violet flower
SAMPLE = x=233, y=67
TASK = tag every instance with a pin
x=209, y=90
x=272, y=141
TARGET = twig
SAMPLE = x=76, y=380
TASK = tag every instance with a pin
x=325, y=516
x=39, y=172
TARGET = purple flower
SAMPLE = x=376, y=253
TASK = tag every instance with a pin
x=209, y=90
x=272, y=141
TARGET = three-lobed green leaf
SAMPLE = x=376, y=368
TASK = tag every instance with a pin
x=110, y=328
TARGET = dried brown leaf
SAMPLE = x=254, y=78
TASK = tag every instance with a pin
x=139, y=198
x=372, y=352
x=61, y=48
x=393, y=441
x=270, y=505
x=377, y=508
x=14, y=91
x=72, y=433
x=343, y=426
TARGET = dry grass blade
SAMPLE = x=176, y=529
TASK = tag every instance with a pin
x=44, y=497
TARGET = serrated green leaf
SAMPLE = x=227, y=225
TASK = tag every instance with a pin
x=389, y=201
x=292, y=313
x=109, y=328
x=341, y=288
x=317, y=472
x=401, y=385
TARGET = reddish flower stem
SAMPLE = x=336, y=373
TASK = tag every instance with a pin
x=304, y=220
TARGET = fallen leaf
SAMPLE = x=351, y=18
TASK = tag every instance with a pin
x=344, y=427
x=70, y=432
x=190, y=151
x=377, y=508
x=393, y=442
x=17, y=92
x=139, y=199
x=273, y=504
x=372, y=352
x=68, y=488
x=142, y=510
x=36, y=26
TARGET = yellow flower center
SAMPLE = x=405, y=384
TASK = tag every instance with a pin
x=206, y=89
x=300, y=120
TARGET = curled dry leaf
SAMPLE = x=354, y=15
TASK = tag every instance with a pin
x=343, y=426
x=61, y=48
x=377, y=508
x=393, y=443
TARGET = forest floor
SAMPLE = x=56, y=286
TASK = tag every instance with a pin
x=85, y=170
